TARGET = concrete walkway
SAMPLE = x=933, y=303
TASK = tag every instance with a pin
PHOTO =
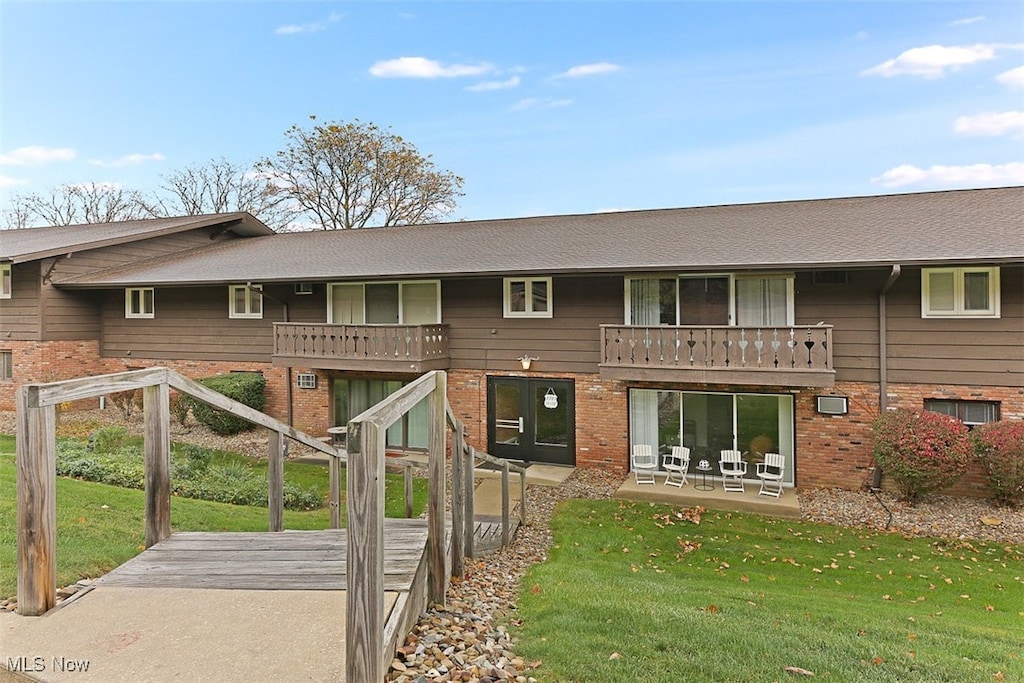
x=161, y=634
x=787, y=505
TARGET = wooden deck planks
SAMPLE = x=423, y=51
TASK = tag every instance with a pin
x=290, y=560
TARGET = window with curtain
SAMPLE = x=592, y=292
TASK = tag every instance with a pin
x=652, y=301
x=386, y=303
x=763, y=301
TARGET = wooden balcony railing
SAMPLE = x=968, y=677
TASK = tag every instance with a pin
x=377, y=348
x=792, y=355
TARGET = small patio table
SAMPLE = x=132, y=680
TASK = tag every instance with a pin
x=704, y=467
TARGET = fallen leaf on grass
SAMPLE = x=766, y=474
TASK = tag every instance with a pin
x=797, y=670
x=536, y=589
x=615, y=655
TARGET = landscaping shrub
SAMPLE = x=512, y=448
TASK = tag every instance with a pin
x=193, y=475
x=1000, y=449
x=127, y=401
x=179, y=405
x=108, y=439
x=245, y=387
x=922, y=451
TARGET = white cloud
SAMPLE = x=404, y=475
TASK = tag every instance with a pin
x=31, y=156
x=933, y=61
x=590, y=70
x=8, y=181
x=534, y=103
x=975, y=175
x=127, y=160
x=312, y=27
x=1013, y=79
x=421, y=67
x=495, y=85
x=992, y=124
x=967, y=22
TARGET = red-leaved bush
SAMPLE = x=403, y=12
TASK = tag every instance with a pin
x=921, y=450
x=1000, y=449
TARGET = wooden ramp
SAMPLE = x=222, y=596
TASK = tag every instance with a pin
x=487, y=533
x=286, y=560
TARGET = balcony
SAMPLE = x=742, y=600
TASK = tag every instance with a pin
x=372, y=348
x=792, y=355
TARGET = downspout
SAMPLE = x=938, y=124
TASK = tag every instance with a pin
x=883, y=362
x=288, y=370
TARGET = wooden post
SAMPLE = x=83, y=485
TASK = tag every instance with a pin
x=36, y=454
x=504, y=504
x=407, y=480
x=334, y=483
x=364, y=611
x=157, y=447
x=458, y=503
x=467, y=484
x=275, y=480
x=522, y=497
x=437, y=580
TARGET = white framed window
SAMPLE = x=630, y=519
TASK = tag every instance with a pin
x=960, y=292
x=5, y=280
x=245, y=301
x=527, y=297
x=138, y=302
x=384, y=303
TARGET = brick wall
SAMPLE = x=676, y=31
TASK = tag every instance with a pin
x=48, y=362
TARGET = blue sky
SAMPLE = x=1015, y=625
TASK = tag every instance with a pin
x=543, y=107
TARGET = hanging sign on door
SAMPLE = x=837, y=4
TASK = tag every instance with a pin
x=550, y=399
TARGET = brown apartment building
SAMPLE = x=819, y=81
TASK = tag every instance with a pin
x=783, y=327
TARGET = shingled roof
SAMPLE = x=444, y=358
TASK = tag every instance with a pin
x=960, y=226
x=32, y=244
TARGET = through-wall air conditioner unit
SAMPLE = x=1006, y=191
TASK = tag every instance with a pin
x=305, y=380
x=303, y=288
x=833, y=405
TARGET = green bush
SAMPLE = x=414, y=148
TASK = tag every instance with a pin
x=245, y=387
x=193, y=474
x=108, y=439
x=1000, y=450
x=922, y=451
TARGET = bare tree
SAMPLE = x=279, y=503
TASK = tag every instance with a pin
x=74, y=204
x=221, y=186
x=351, y=175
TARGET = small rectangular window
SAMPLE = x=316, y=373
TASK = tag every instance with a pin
x=960, y=293
x=138, y=302
x=5, y=280
x=6, y=365
x=528, y=297
x=969, y=412
x=245, y=301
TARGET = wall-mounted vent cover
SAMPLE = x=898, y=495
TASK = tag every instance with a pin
x=303, y=288
x=833, y=405
x=305, y=380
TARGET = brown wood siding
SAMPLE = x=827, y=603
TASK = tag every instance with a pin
x=66, y=315
x=966, y=351
x=852, y=310
x=121, y=254
x=19, y=315
x=483, y=339
x=192, y=323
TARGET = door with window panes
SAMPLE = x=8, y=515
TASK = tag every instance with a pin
x=532, y=420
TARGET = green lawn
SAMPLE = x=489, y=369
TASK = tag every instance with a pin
x=100, y=527
x=635, y=592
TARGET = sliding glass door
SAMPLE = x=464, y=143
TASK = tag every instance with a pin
x=708, y=423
